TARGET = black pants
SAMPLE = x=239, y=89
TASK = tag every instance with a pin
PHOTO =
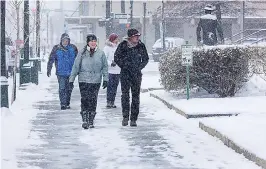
x=89, y=95
x=64, y=90
x=112, y=87
x=133, y=83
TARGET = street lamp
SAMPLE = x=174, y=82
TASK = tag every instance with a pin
x=144, y=21
x=131, y=13
x=163, y=27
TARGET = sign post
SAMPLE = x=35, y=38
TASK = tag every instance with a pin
x=187, y=60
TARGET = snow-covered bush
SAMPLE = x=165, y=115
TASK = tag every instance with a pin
x=257, y=63
x=222, y=70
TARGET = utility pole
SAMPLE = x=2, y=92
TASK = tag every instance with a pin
x=131, y=13
x=242, y=20
x=38, y=39
x=26, y=31
x=144, y=21
x=107, y=23
x=123, y=8
x=4, y=81
x=163, y=27
x=47, y=33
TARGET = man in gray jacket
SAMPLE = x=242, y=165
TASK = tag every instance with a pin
x=91, y=67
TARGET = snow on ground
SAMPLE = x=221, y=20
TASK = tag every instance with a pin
x=151, y=76
x=195, y=146
x=247, y=131
x=15, y=121
x=150, y=81
x=250, y=99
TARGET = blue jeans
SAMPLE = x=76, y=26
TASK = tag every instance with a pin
x=112, y=87
x=64, y=90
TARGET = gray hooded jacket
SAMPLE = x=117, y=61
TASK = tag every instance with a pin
x=90, y=69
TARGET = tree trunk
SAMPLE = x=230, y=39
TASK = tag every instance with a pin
x=18, y=23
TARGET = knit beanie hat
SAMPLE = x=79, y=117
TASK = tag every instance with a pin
x=113, y=37
x=91, y=37
x=133, y=32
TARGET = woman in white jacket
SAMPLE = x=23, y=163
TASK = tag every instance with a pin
x=113, y=69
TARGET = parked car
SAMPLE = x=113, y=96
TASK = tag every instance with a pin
x=170, y=42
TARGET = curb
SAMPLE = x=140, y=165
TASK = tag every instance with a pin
x=150, y=89
x=170, y=106
x=231, y=144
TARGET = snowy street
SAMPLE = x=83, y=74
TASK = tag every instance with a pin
x=163, y=139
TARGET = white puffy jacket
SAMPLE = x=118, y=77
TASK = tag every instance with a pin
x=109, y=51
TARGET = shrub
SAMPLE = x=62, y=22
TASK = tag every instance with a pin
x=221, y=70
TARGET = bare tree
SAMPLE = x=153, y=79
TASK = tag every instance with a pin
x=16, y=4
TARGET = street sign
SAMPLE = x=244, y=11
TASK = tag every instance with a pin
x=187, y=60
x=122, y=16
x=187, y=57
x=123, y=21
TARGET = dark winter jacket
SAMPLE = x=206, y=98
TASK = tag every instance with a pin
x=131, y=59
x=64, y=58
x=209, y=24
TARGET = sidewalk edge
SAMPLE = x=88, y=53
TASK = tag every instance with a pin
x=231, y=144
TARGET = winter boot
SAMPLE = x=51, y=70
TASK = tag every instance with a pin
x=91, y=119
x=133, y=123
x=125, y=121
x=63, y=107
x=68, y=107
x=113, y=105
x=84, y=115
x=109, y=105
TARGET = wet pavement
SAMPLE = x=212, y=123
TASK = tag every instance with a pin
x=57, y=140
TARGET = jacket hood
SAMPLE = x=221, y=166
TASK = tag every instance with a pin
x=109, y=43
x=64, y=36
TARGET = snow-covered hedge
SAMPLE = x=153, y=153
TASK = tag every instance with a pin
x=222, y=70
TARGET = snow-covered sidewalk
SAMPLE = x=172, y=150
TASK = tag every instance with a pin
x=246, y=131
x=162, y=139
x=16, y=121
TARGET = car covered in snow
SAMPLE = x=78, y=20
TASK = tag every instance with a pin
x=170, y=42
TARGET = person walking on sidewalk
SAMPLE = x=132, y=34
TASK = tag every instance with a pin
x=113, y=69
x=91, y=67
x=131, y=56
x=63, y=55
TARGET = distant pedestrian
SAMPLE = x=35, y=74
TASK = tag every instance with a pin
x=113, y=69
x=131, y=56
x=209, y=24
x=63, y=55
x=91, y=67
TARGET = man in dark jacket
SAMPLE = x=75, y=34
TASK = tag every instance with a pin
x=63, y=55
x=131, y=56
x=209, y=25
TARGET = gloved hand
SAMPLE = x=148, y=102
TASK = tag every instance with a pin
x=113, y=64
x=105, y=83
x=71, y=85
x=48, y=73
x=199, y=43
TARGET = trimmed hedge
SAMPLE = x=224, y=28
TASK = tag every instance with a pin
x=222, y=70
